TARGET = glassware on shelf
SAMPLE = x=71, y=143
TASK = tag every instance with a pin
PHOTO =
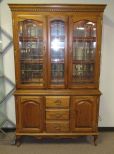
x=83, y=72
x=31, y=72
x=84, y=28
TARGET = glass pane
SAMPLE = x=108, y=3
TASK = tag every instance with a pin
x=57, y=73
x=31, y=72
x=31, y=48
x=82, y=72
x=84, y=48
x=57, y=37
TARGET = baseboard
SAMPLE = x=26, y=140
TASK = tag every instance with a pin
x=6, y=129
x=101, y=129
x=106, y=129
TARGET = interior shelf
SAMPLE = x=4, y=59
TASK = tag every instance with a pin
x=88, y=39
x=83, y=61
x=34, y=39
x=32, y=61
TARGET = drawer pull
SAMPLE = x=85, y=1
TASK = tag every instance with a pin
x=58, y=102
x=57, y=127
x=58, y=116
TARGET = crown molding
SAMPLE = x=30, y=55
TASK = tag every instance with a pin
x=57, y=7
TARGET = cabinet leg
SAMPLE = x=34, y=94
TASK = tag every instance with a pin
x=95, y=139
x=18, y=141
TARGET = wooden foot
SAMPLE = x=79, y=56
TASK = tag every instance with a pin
x=18, y=141
x=38, y=137
x=95, y=140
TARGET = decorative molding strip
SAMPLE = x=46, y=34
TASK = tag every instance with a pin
x=57, y=7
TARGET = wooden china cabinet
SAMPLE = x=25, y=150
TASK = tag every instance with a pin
x=57, y=63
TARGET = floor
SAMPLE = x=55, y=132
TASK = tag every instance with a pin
x=80, y=145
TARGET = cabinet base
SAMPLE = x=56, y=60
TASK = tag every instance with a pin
x=53, y=135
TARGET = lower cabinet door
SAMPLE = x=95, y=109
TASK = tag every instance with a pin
x=84, y=113
x=30, y=114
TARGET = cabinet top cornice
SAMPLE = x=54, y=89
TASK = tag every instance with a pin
x=58, y=7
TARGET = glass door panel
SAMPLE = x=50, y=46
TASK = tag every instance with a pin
x=57, y=52
x=82, y=72
x=83, y=52
x=57, y=73
x=31, y=52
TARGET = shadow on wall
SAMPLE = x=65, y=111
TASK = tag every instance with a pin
x=108, y=21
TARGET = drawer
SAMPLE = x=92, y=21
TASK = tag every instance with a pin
x=57, y=101
x=62, y=114
x=57, y=127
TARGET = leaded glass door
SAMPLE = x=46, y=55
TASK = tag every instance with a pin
x=83, y=53
x=31, y=52
x=57, y=52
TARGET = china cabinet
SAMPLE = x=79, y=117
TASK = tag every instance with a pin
x=57, y=65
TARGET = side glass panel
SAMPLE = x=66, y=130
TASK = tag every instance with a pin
x=84, y=48
x=57, y=51
x=31, y=51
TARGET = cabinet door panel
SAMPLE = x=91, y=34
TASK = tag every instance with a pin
x=31, y=114
x=84, y=113
x=84, y=52
x=57, y=51
x=30, y=51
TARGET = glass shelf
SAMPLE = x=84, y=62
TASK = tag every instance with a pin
x=83, y=61
x=31, y=61
x=32, y=39
x=86, y=39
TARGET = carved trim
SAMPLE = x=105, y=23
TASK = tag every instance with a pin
x=57, y=7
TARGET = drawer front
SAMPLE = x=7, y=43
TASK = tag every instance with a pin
x=57, y=101
x=61, y=114
x=57, y=127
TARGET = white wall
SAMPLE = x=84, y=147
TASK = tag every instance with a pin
x=107, y=60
